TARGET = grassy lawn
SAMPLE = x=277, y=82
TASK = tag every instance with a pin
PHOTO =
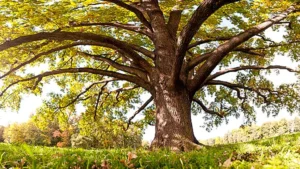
x=278, y=152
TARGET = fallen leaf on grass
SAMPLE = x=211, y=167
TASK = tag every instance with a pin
x=131, y=156
x=128, y=162
x=105, y=165
x=227, y=163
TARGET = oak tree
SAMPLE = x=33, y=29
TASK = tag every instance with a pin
x=104, y=54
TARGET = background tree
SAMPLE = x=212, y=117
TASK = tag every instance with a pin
x=108, y=133
x=65, y=129
x=283, y=127
x=105, y=54
x=1, y=133
x=253, y=132
x=79, y=141
x=27, y=133
x=59, y=127
x=297, y=124
x=14, y=134
x=33, y=135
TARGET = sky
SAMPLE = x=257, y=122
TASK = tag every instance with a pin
x=30, y=103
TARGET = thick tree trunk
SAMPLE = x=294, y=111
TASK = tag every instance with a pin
x=173, y=127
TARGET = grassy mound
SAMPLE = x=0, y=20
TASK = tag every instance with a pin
x=278, y=152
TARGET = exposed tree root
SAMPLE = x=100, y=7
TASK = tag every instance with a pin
x=177, y=145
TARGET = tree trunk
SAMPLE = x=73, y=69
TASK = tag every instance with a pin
x=173, y=127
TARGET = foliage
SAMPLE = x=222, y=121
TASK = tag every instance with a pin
x=277, y=152
x=105, y=55
x=110, y=133
x=27, y=133
x=79, y=141
x=67, y=131
x=253, y=132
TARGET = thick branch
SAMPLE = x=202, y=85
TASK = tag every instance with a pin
x=77, y=36
x=192, y=45
x=155, y=14
x=174, y=20
x=124, y=53
x=119, y=76
x=218, y=54
x=158, y=23
x=204, y=10
x=38, y=56
x=144, y=51
x=197, y=60
x=248, y=50
x=131, y=8
x=118, y=66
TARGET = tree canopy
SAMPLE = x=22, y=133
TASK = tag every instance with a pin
x=105, y=54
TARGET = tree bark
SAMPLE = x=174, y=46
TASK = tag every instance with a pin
x=173, y=127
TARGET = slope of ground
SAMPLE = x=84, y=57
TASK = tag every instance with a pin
x=278, y=152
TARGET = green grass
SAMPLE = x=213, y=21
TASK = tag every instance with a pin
x=278, y=152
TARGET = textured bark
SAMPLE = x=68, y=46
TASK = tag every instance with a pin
x=173, y=119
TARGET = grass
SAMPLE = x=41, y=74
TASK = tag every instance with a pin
x=278, y=152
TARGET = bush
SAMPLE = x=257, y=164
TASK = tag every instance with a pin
x=79, y=141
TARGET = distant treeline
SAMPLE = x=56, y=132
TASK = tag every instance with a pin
x=95, y=135
x=250, y=133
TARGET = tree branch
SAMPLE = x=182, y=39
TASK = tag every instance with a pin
x=38, y=56
x=129, y=27
x=174, y=20
x=131, y=8
x=119, y=76
x=128, y=69
x=83, y=92
x=265, y=47
x=138, y=111
x=201, y=58
x=192, y=45
x=200, y=42
x=157, y=21
x=204, y=108
x=235, y=86
x=197, y=60
x=218, y=54
x=126, y=54
x=253, y=67
x=250, y=52
x=98, y=100
x=204, y=11
x=77, y=36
